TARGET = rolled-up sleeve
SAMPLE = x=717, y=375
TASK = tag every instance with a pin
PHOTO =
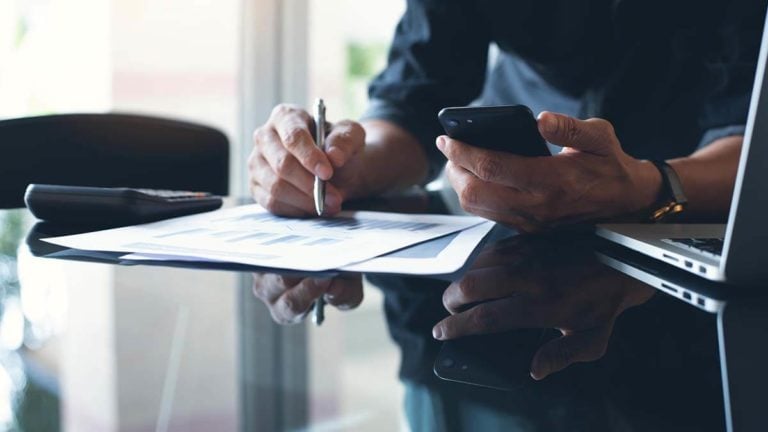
x=438, y=58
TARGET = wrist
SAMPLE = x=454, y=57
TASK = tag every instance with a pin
x=647, y=185
x=384, y=168
x=393, y=158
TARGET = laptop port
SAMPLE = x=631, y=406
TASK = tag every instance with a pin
x=688, y=264
x=700, y=301
x=702, y=269
x=668, y=288
x=686, y=295
x=670, y=257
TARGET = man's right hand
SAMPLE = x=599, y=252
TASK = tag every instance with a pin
x=285, y=160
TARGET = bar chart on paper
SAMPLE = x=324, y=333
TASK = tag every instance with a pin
x=251, y=235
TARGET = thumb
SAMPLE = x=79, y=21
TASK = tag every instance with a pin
x=559, y=353
x=592, y=136
x=346, y=139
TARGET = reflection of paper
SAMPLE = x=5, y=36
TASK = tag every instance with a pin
x=250, y=235
x=439, y=256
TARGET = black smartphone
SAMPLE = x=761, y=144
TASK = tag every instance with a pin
x=510, y=128
x=500, y=361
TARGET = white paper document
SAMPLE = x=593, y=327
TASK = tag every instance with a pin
x=443, y=255
x=251, y=235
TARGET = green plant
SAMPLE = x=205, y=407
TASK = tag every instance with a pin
x=365, y=59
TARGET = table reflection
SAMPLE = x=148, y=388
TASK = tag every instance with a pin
x=619, y=356
x=539, y=282
x=614, y=354
x=290, y=298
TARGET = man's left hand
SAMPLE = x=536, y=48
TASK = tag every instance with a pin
x=591, y=178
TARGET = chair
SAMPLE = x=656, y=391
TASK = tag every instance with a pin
x=110, y=150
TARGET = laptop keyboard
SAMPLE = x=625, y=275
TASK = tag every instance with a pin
x=707, y=246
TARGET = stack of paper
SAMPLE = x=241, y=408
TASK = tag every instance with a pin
x=355, y=241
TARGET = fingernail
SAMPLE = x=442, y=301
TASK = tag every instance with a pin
x=440, y=142
x=437, y=333
x=323, y=171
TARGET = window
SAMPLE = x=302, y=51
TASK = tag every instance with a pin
x=173, y=58
x=348, y=45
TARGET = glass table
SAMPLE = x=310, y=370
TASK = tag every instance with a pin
x=89, y=342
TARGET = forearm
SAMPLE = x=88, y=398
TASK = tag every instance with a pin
x=393, y=159
x=708, y=176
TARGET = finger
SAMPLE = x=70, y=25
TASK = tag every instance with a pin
x=274, y=205
x=281, y=190
x=296, y=302
x=484, y=285
x=346, y=140
x=496, y=167
x=471, y=192
x=568, y=349
x=345, y=292
x=593, y=135
x=494, y=317
x=283, y=163
x=479, y=194
x=295, y=134
x=268, y=287
x=520, y=222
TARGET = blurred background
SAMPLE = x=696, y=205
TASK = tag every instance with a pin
x=191, y=59
x=223, y=63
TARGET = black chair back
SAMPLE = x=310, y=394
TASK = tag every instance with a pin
x=110, y=150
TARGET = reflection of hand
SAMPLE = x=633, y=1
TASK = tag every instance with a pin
x=505, y=290
x=290, y=298
x=285, y=160
x=591, y=178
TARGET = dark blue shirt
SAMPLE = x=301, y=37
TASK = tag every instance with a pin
x=670, y=75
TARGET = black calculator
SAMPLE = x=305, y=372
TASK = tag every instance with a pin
x=82, y=205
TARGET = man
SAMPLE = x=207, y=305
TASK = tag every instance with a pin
x=656, y=80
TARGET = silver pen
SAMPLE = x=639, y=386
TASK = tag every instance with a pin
x=318, y=311
x=319, y=192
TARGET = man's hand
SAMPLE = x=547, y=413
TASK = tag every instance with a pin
x=590, y=178
x=290, y=298
x=513, y=287
x=285, y=160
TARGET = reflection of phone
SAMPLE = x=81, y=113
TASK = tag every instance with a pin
x=501, y=361
x=502, y=128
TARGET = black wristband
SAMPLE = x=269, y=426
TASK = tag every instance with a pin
x=671, y=199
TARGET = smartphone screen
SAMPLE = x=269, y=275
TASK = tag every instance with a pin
x=511, y=128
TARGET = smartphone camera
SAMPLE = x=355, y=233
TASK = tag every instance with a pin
x=447, y=362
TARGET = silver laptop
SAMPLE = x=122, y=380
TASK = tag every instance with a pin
x=684, y=287
x=738, y=251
